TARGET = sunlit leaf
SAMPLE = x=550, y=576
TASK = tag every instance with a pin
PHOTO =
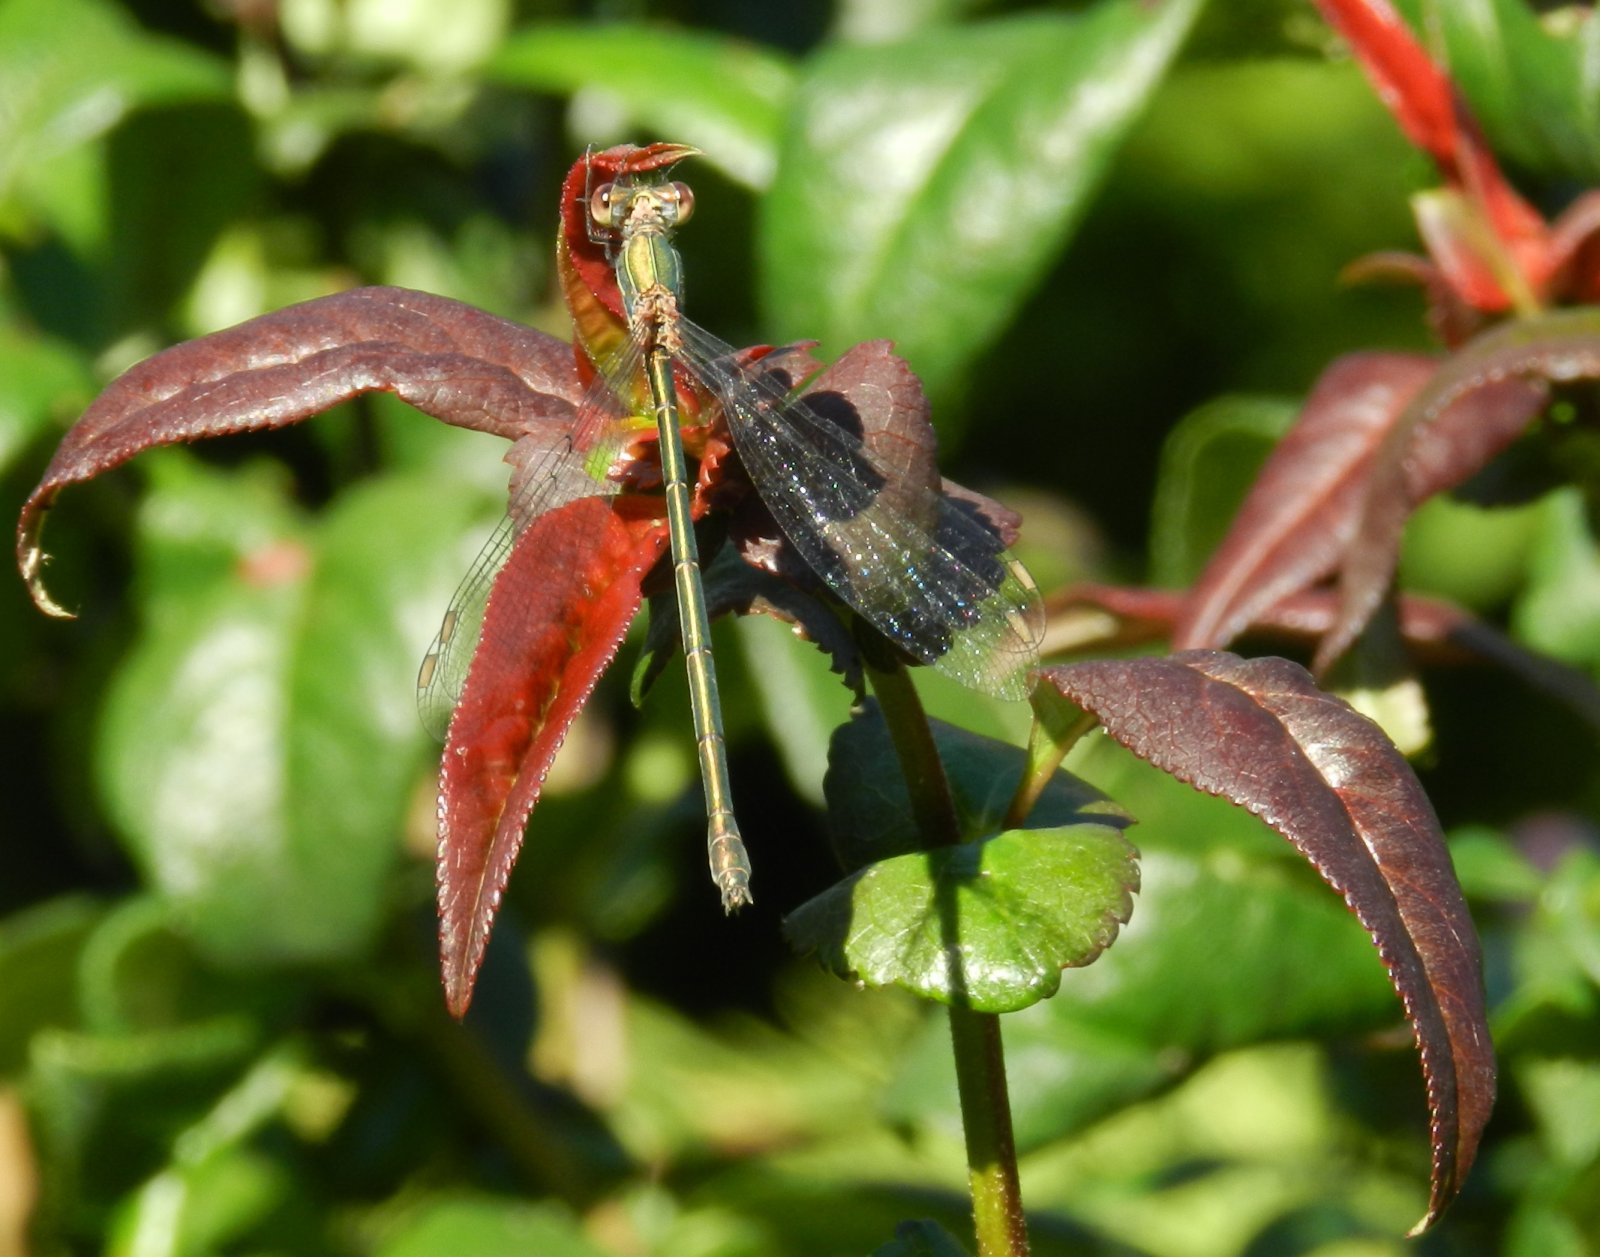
x=445, y=358
x=1349, y=802
x=986, y=925
x=554, y=621
x=70, y=70
x=260, y=744
x=1532, y=87
x=923, y=185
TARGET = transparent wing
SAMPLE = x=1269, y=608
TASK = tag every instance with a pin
x=923, y=567
x=583, y=463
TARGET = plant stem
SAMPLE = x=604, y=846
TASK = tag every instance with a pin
x=998, y=1219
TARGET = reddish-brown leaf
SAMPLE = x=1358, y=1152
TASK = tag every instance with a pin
x=1477, y=404
x=1260, y=734
x=558, y=612
x=448, y=359
x=1091, y=618
x=1302, y=511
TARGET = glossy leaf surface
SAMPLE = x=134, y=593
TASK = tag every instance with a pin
x=1531, y=84
x=258, y=748
x=1258, y=953
x=1348, y=801
x=447, y=359
x=987, y=924
x=923, y=184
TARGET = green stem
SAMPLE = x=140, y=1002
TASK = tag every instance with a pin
x=998, y=1219
x=931, y=805
x=1048, y=744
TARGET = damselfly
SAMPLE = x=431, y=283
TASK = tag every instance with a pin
x=919, y=564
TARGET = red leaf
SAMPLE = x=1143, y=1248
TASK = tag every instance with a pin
x=558, y=612
x=1303, y=509
x=450, y=360
x=1434, y=632
x=1260, y=734
x=1430, y=110
x=1575, y=250
x=1477, y=404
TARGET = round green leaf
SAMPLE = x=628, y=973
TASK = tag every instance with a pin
x=869, y=810
x=983, y=925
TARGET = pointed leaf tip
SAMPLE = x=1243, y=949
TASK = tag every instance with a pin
x=1262, y=735
x=556, y=616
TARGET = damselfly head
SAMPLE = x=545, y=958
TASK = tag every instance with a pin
x=658, y=206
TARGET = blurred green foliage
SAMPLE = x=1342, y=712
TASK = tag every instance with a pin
x=220, y=1029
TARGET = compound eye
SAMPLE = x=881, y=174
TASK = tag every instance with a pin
x=603, y=205
x=681, y=199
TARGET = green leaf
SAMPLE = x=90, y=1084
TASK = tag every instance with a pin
x=438, y=37
x=1258, y=953
x=205, y=1208
x=1207, y=463
x=70, y=71
x=984, y=925
x=1474, y=556
x=260, y=745
x=720, y=95
x=1536, y=92
x=39, y=951
x=1559, y=609
x=923, y=186
x=488, y=1228
x=869, y=809
x=109, y=1107
x=1489, y=866
x=40, y=379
